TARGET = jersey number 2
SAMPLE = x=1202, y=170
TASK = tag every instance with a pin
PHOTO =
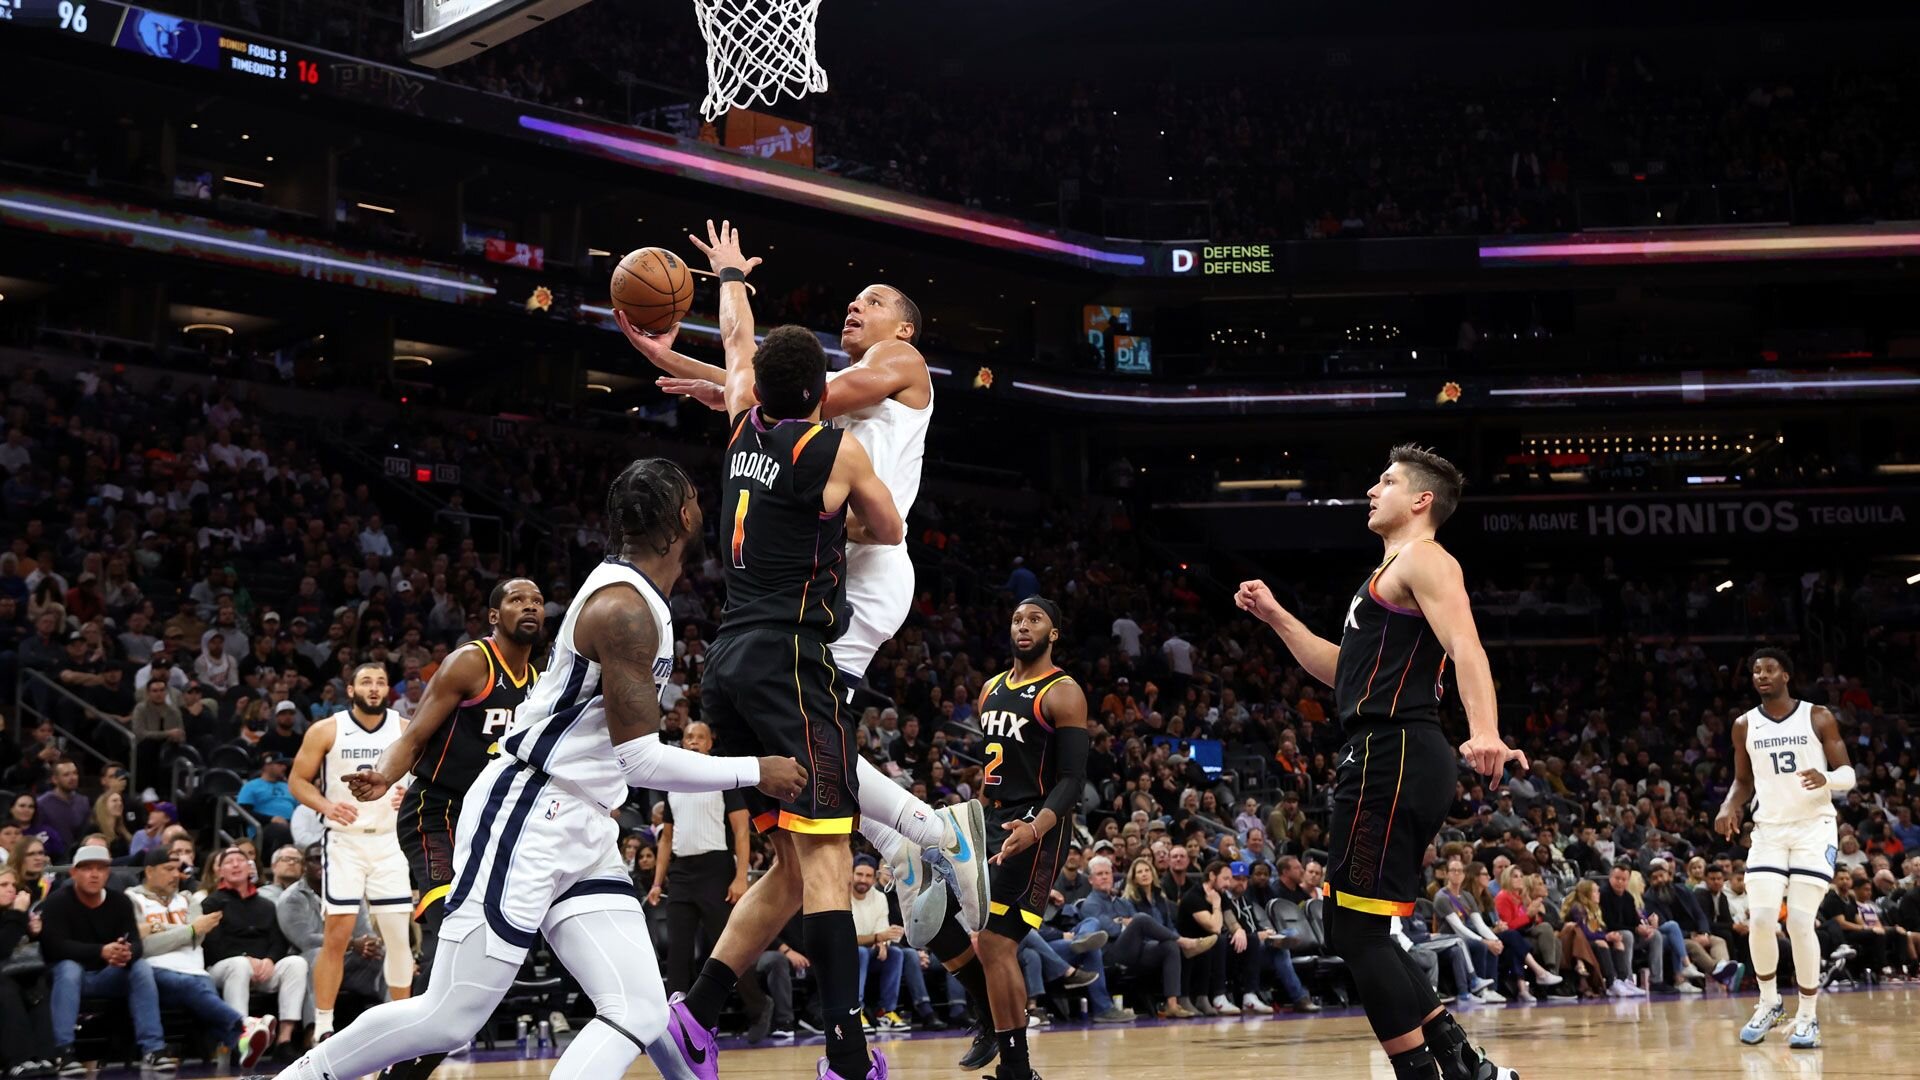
x=1780, y=765
x=740, y=533
x=995, y=755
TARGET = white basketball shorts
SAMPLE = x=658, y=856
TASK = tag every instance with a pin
x=356, y=866
x=879, y=592
x=1807, y=848
x=528, y=854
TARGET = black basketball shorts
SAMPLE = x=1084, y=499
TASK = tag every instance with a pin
x=1018, y=888
x=777, y=692
x=425, y=828
x=1393, y=784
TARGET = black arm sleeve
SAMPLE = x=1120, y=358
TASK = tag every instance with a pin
x=1072, y=777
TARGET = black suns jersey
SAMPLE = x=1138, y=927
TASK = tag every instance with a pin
x=457, y=753
x=1391, y=665
x=785, y=560
x=1020, y=764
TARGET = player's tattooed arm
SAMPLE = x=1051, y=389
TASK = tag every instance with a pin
x=1727, y=821
x=617, y=631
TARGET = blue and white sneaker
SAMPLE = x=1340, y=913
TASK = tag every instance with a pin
x=963, y=860
x=1766, y=1016
x=1806, y=1034
x=908, y=870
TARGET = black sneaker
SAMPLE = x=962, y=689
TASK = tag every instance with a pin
x=762, y=1024
x=65, y=1064
x=984, y=1049
x=809, y=1026
x=159, y=1061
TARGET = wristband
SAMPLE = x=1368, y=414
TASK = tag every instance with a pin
x=1841, y=779
x=728, y=274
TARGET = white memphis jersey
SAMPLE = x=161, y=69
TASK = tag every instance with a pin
x=561, y=728
x=895, y=437
x=356, y=748
x=1779, y=750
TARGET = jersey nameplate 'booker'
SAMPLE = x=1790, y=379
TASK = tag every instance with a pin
x=785, y=565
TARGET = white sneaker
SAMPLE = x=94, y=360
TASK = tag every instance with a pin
x=1691, y=972
x=1638, y=990
x=1623, y=988
x=1548, y=979
x=1527, y=995
x=908, y=871
x=1490, y=996
x=1686, y=988
x=1252, y=1004
x=1615, y=990
x=965, y=854
x=1224, y=1005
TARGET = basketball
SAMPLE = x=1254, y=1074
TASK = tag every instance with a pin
x=654, y=287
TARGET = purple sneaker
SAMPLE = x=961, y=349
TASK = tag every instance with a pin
x=878, y=1070
x=692, y=1043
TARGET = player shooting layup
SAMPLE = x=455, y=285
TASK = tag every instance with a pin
x=885, y=400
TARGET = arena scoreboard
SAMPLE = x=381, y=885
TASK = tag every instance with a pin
x=168, y=37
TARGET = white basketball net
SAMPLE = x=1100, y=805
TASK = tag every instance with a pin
x=757, y=51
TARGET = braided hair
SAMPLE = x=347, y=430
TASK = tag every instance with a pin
x=643, y=505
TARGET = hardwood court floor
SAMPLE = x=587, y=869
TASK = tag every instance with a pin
x=1867, y=1034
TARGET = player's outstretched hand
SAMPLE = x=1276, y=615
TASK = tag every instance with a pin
x=366, y=785
x=1257, y=600
x=655, y=347
x=781, y=778
x=1489, y=754
x=705, y=391
x=722, y=248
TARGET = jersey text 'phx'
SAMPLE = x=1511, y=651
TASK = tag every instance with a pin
x=1021, y=766
x=457, y=753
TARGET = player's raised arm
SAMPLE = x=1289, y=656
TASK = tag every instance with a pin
x=616, y=630
x=659, y=351
x=855, y=484
x=307, y=764
x=1727, y=821
x=722, y=249
x=1839, y=771
x=464, y=675
x=1440, y=592
x=1320, y=657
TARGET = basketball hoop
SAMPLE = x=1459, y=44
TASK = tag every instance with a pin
x=757, y=51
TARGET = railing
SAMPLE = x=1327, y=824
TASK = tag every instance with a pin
x=42, y=685
x=468, y=517
x=226, y=808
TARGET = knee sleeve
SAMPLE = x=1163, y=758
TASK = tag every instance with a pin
x=1381, y=973
x=1766, y=891
x=393, y=935
x=1804, y=896
x=611, y=956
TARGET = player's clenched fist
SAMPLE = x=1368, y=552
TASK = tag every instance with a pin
x=781, y=778
x=1257, y=600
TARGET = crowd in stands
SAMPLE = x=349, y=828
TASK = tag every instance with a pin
x=186, y=581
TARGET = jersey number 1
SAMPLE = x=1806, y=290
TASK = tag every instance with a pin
x=740, y=533
x=1783, y=766
x=995, y=755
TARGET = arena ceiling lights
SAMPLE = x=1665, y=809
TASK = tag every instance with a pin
x=1706, y=245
